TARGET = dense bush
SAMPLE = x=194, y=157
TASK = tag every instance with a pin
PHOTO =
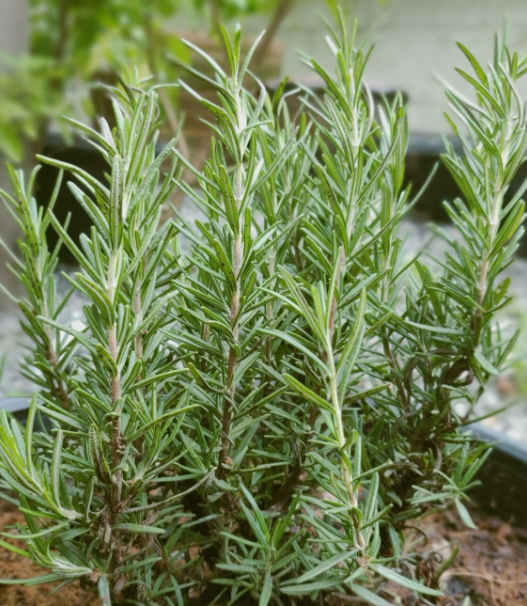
x=263, y=401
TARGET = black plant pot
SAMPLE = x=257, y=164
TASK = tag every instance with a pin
x=424, y=151
x=81, y=154
x=503, y=479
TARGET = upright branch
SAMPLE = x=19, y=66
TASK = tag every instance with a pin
x=360, y=176
x=493, y=135
x=119, y=272
x=239, y=254
x=117, y=213
x=337, y=374
x=37, y=271
x=230, y=182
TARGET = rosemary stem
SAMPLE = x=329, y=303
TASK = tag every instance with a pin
x=115, y=504
x=346, y=472
x=228, y=402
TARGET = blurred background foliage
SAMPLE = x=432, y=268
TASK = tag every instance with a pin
x=74, y=45
x=29, y=99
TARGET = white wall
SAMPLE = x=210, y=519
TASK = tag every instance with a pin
x=13, y=25
x=414, y=39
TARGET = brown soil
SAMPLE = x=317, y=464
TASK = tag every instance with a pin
x=14, y=566
x=490, y=567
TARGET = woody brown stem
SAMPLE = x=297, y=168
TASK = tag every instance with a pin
x=206, y=336
x=52, y=352
x=139, y=315
x=228, y=402
x=116, y=505
x=60, y=389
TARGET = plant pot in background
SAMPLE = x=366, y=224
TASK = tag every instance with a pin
x=503, y=490
x=314, y=86
x=81, y=154
x=424, y=151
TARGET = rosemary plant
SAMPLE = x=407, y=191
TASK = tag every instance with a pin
x=264, y=401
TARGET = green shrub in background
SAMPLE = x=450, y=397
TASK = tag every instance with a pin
x=75, y=46
x=263, y=401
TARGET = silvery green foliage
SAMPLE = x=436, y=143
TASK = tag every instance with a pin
x=108, y=422
x=260, y=414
